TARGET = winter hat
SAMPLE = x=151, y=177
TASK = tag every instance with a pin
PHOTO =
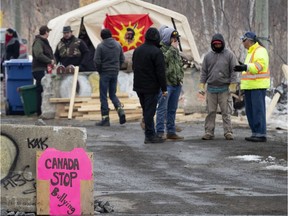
x=105, y=33
x=152, y=34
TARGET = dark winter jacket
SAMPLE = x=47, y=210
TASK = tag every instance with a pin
x=12, y=49
x=149, y=69
x=42, y=54
x=109, y=57
x=73, y=51
x=217, y=67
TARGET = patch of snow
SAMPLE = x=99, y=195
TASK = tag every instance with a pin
x=247, y=157
x=277, y=167
x=270, y=161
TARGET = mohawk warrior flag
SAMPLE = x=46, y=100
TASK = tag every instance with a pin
x=128, y=29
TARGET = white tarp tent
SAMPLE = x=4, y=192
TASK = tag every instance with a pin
x=93, y=16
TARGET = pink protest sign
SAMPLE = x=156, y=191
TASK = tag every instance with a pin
x=64, y=171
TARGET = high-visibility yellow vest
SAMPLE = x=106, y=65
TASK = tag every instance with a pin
x=257, y=75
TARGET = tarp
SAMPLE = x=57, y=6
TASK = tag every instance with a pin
x=94, y=15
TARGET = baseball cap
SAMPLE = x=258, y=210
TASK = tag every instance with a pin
x=175, y=34
x=248, y=35
x=44, y=29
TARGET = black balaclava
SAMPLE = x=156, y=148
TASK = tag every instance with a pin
x=217, y=38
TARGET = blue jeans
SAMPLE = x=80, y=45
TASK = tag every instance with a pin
x=256, y=111
x=166, y=110
x=108, y=83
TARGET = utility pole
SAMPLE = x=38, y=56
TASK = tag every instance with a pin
x=262, y=20
x=17, y=15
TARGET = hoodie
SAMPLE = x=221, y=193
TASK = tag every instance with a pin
x=109, y=57
x=166, y=35
x=174, y=70
x=217, y=67
x=161, y=30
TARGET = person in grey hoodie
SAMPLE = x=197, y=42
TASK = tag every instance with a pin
x=108, y=59
x=217, y=72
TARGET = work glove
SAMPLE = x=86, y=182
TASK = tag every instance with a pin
x=240, y=68
x=232, y=87
x=201, y=89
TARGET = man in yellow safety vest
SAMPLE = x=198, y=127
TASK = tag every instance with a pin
x=255, y=80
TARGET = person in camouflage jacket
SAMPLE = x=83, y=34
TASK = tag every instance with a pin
x=167, y=105
x=72, y=51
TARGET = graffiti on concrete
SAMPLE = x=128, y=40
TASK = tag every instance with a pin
x=37, y=143
x=9, y=155
x=10, y=177
x=20, y=179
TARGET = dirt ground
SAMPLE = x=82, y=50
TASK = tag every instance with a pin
x=191, y=177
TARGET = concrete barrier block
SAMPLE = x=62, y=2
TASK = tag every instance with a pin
x=19, y=144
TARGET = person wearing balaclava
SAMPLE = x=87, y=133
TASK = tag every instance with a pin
x=12, y=45
x=108, y=58
x=167, y=105
x=221, y=80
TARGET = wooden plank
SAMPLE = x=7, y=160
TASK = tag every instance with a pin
x=285, y=70
x=272, y=105
x=43, y=188
x=119, y=95
x=127, y=112
x=65, y=114
x=113, y=118
x=90, y=108
x=73, y=92
x=277, y=95
x=122, y=100
x=59, y=108
x=67, y=100
x=87, y=188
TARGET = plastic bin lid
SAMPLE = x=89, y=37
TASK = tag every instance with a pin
x=26, y=87
x=17, y=62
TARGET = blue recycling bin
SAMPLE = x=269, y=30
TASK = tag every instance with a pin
x=18, y=72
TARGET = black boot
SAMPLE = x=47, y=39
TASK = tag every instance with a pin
x=104, y=122
x=121, y=114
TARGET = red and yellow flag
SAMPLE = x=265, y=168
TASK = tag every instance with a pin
x=128, y=29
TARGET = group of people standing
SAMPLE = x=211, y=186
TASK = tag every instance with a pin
x=157, y=66
x=158, y=78
x=74, y=51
